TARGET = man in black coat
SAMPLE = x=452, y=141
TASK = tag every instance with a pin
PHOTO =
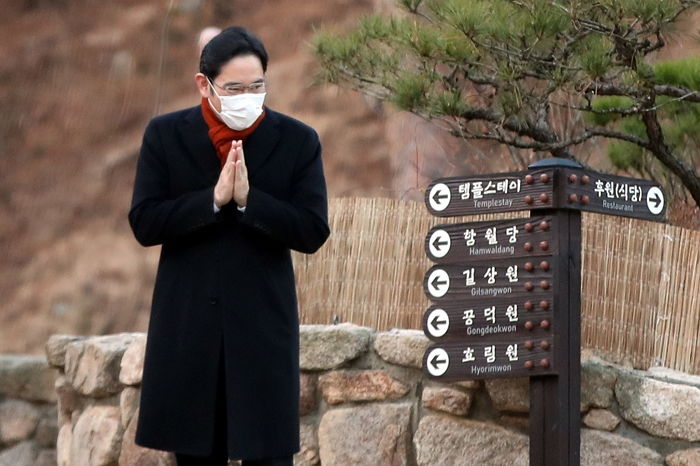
x=227, y=188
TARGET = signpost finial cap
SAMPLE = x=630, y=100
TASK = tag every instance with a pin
x=555, y=162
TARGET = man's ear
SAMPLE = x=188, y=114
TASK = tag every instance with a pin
x=202, y=85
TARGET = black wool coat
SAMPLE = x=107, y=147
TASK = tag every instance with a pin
x=226, y=279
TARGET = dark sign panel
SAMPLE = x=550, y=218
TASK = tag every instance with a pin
x=496, y=305
x=504, y=192
x=547, y=188
x=486, y=319
x=469, y=360
x=512, y=278
x=493, y=239
x=613, y=195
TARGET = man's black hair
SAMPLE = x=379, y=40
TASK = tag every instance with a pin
x=232, y=42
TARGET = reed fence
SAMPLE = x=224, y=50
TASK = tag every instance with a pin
x=640, y=280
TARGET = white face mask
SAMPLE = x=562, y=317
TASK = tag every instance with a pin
x=240, y=111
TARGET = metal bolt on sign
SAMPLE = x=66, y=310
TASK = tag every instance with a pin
x=506, y=294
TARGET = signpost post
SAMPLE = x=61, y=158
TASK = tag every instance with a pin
x=506, y=293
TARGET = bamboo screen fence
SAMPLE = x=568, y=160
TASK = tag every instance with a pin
x=640, y=280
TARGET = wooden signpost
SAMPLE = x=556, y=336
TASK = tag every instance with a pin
x=506, y=293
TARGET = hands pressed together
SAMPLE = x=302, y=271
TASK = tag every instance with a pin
x=233, y=179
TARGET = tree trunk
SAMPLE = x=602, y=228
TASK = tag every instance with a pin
x=658, y=147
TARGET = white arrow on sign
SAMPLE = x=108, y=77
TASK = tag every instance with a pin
x=439, y=243
x=438, y=361
x=438, y=283
x=439, y=197
x=438, y=322
x=655, y=200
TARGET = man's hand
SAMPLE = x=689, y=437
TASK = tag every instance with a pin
x=223, y=191
x=240, y=185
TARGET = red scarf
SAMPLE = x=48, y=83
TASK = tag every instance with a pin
x=221, y=135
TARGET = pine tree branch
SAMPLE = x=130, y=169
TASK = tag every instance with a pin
x=541, y=136
x=608, y=89
x=663, y=153
x=681, y=93
x=634, y=109
x=622, y=111
x=591, y=132
x=553, y=147
x=516, y=78
x=502, y=139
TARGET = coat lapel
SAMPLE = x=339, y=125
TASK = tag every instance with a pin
x=196, y=137
x=261, y=142
x=257, y=147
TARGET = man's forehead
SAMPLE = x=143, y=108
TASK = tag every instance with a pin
x=246, y=68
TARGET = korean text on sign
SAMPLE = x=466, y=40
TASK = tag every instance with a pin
x=615, y=190
x=479, y=189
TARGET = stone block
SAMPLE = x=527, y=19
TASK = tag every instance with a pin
x=68, y=400
x=129, y=400
x=664, y=374
x=376, y=434
x=56, y=349
x=597, y=384
x=21, y=454
x=97, y=437
x=518, y=423
x=323, y=347
x=447, y=400
x=402, y=347
x=132, y=454
x=307, y=394
x=46, y=457
x=132, y=361
x=308, y=454
x=468, y=384
x=27, y=377
x=361, y=385
x=446, y=440
x=690, y=457
x=511, y=395
x=601, y=419
x=63, y=445
x=93, y=364
x=600, y=448
x=660, y=408
x=18, y=421
x=47, y=430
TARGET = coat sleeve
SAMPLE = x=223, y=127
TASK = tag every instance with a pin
x=154, y=217
x=300, y=222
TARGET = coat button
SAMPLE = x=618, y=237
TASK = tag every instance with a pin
x=213, y=301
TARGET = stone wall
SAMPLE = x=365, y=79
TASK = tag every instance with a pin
x=28, y=418
x=364, y=401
